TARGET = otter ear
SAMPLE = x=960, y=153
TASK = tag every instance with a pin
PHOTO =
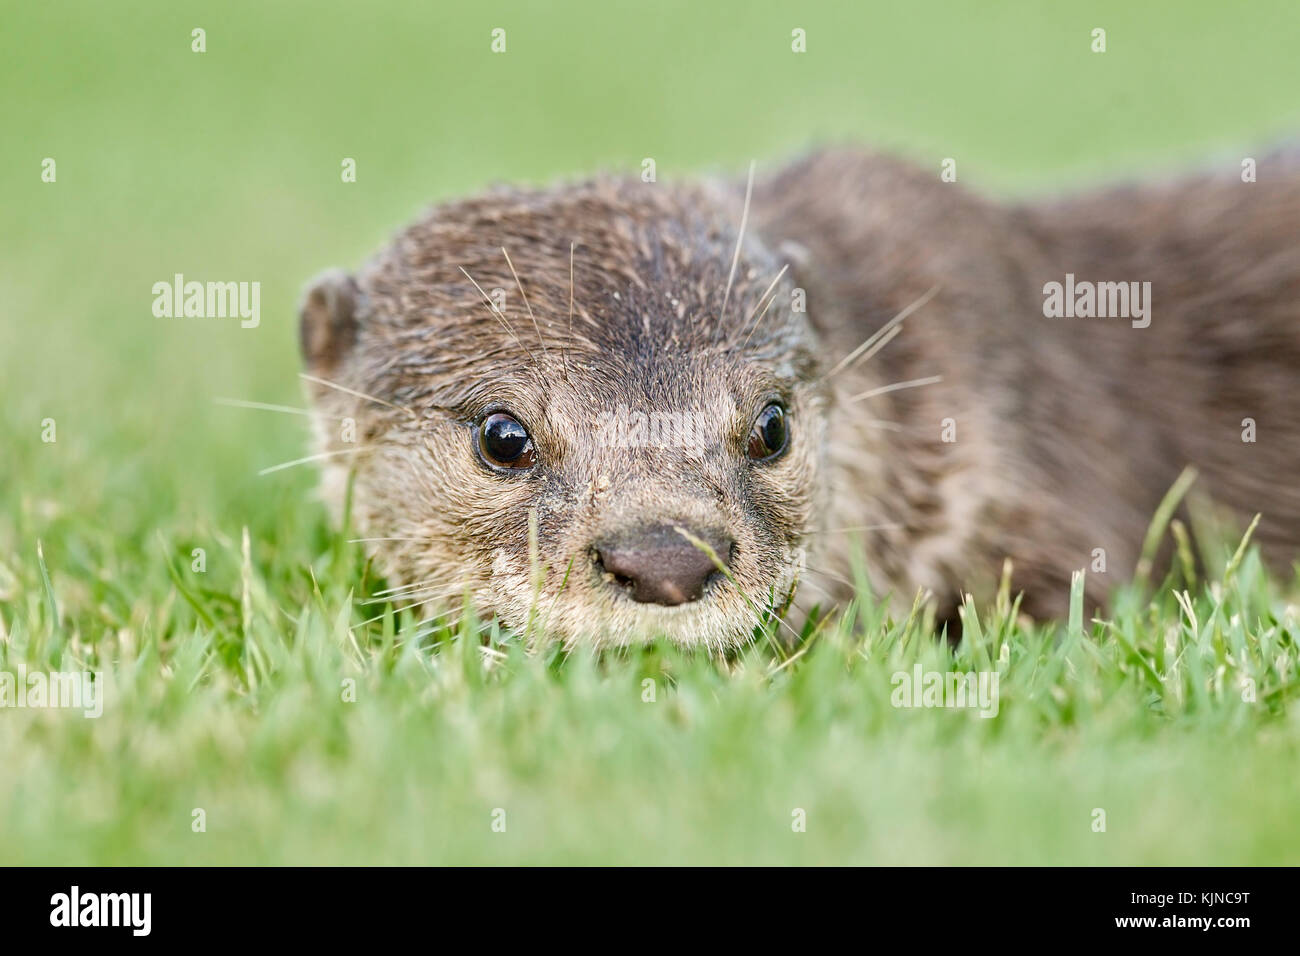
x=327, y=320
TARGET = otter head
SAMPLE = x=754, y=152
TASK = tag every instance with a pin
x=582, y=409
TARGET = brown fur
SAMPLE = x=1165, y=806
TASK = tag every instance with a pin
x=650, y=270
x=1068, y=430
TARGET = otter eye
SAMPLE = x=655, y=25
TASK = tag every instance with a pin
x=770, y=434
x=504, y=443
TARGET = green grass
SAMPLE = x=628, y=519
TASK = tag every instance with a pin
x=227, y=692
x=226, y=686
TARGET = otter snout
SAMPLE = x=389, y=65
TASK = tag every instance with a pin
x=657, y=565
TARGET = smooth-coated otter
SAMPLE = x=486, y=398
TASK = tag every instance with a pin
x=575, y=405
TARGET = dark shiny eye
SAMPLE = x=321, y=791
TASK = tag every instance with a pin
x=770, y=434
x=504, y=443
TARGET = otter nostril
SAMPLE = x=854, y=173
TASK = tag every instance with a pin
x=658, y=566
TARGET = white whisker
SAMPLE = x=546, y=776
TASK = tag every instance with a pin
x=524, y=296
x=320, y=457
x=428, y=620
x=353, y=391
x=866, y=527
x=429, y=594
x=496, y=314
x=831, y=575
x=413, y=586
x=263, y=406
x=884, y=330
x=897, y=386
x=878, y=345
x=754, y=327
x=740, y=238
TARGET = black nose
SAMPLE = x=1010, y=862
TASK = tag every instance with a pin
x=657, y=565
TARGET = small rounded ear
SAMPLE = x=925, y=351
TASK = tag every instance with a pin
x=327, y=320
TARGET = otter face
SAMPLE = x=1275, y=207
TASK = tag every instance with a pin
x=643, y=462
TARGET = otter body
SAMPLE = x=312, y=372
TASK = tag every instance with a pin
x=504, y=356
x=1068, y=431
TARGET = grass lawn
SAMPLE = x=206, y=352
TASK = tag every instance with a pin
x=310, y=722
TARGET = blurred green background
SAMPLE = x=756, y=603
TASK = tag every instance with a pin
x=225, y=165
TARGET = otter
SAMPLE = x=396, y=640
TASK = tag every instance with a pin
x=856, y=370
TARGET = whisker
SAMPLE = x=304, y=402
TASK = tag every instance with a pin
x=413, y=586
x=353, y=391
x=359, y=540
x=429, y=594
x=753, y=608
x=563, y=584
x=810, y=583
x=568, y=342
x=882, y=331
x=498, y=316
x=897, y=386
x=824, y=621
x=319, y=457
x=429, y=620
x=770, y=611
x=875, y=347
x=524, y=296
x=740, y=238
x=865, y=527
x=428, y=588
x=754, y=328
x=831, y=575
x=263, y=406
x=712, y=554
